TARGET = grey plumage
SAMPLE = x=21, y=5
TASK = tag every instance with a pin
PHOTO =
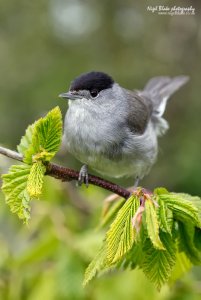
x=159, y=89
x=114, y=130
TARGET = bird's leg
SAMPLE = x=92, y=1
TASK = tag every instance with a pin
x=83, y=176
x=136, y=183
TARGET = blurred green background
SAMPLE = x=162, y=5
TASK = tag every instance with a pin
x=43, y=46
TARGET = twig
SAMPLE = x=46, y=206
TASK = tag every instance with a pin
x=11, y=154
x=66, y=174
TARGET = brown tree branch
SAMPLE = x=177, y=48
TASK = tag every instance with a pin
x=66, y=174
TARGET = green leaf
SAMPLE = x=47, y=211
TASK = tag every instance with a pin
x=35, y=179
x=111, y=213
x=182, y=266
x=49, y=132
x=43, y=138
x=26, y=140
x=15, y=190
x=160, y=191
x=97, y=264
x=195, y=200
x=183, y=210
x=121, y=235
x=186, y=242
x=197, y=238
x=40, y=143
x=152, y=224
x=133, y=258
x=165, y=217
x=158, y=264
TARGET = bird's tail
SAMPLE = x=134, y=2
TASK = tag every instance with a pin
x=161, y=88
x=158, y=90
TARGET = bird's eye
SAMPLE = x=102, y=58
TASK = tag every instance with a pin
x=94, y=93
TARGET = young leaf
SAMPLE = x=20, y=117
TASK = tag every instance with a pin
x=160, y=191
x=183, y=210
x=182, y=266
x=158, y=264
x=195, y=200
x=35, y=179
x=152, y=224
x=97, y=264
x=15, y=190
x=49, y=132
x=165, y=217
x=111, y=213
x=26, y=140
x=43, y=138
x=133, y=258
x=186, y=242
x=121, y=235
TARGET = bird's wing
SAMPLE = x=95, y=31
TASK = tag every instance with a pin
x=139, y=111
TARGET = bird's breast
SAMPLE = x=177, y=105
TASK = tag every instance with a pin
x=86, y=135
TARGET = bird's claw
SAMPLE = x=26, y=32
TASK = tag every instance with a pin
x=83, y=176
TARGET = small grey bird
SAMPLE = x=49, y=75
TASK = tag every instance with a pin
x=115, y=130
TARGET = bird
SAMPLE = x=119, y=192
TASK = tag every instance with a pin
x=114, y=130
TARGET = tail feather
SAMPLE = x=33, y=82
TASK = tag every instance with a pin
x=159, y=89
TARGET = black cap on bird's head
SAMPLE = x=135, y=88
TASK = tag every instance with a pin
x=94, y=82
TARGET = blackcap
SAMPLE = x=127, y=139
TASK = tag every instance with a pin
x=115, y=130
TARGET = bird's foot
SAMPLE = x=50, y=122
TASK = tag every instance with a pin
x=83, y=176
x=136, y=183
x=135, y=187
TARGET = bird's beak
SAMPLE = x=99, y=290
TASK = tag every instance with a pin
x=69, y=95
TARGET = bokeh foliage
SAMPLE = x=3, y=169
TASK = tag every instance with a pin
x=43, y=46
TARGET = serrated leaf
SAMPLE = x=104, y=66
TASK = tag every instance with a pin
x=49, y=131
x=14, y=188
x=152, y=224
x=121, y=235
x=158, y=264
x=43, y=138
x=165, y=217
x=97, y=264
x=195, y=200
x=26, y=140
x=112, y=211
x=182, y=266
x=186, y=243
x=183, y=210
x=132, y=259
x=35, y=179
